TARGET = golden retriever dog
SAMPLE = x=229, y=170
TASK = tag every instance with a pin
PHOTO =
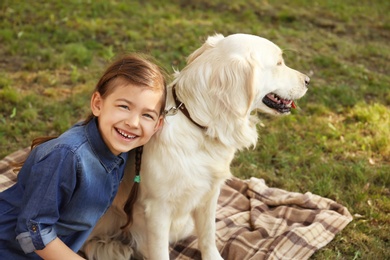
x=210, y=116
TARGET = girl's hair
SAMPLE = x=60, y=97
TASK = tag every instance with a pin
x=137, y=70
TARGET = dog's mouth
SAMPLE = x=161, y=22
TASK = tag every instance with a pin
x=279, y=104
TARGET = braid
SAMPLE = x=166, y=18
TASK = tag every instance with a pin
x=128, y=208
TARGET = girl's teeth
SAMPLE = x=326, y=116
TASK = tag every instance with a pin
x=125, y=135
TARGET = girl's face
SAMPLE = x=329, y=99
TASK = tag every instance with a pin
x=127, y=117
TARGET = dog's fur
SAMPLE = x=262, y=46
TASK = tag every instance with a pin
x=184, y=166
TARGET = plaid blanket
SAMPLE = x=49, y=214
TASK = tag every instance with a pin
x=253, y=221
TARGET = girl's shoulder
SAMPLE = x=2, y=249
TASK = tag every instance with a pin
x=82, y=141
x=70, y=141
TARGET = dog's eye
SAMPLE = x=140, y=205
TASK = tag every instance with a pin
x=279, y=63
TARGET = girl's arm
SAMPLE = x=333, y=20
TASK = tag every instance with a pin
x=57, y=250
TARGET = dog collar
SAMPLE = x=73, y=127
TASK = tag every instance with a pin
x=180, y=105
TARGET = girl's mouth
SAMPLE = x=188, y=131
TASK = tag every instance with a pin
x=125, y=135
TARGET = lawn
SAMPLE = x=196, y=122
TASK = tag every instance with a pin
x=335, y=145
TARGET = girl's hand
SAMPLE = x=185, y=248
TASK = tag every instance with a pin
x=57, y=250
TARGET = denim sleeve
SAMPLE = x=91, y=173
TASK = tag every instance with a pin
x=27, y=239
x=49, y=185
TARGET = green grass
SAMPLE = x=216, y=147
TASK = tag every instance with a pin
x=337, y=145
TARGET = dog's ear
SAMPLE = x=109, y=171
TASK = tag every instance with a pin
x=210, y=43
x=217, y=87
x=232, y=91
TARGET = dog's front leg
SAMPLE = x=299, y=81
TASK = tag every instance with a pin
x=204, y=217
x=158, y=223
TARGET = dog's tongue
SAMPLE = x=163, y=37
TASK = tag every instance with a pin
x=293, y=105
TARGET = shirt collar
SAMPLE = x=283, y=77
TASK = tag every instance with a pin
x=99, y=147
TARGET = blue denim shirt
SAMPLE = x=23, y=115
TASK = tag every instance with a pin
x=63, y=188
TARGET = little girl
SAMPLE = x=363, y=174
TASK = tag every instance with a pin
x=67, y=183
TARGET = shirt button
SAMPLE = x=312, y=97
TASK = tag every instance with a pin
x=34, y=228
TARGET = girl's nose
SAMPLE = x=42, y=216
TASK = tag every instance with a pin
x=132, y=121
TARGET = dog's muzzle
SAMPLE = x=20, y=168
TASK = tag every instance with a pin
x=279, y=104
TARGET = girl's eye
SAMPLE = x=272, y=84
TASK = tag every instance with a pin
x=124, y=107
x=149, y=116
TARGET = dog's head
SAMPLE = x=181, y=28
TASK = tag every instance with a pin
x=229, y=77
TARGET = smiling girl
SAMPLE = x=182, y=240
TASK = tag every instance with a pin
x=67, y=183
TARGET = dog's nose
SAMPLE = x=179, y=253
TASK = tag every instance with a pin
x=307, y=81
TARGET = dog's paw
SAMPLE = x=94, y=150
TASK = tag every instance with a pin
x=211, y=255
x=216, y=257
x=107, y=248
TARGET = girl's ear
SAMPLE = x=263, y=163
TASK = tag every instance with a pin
x=159, y=124
x=96, y=103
